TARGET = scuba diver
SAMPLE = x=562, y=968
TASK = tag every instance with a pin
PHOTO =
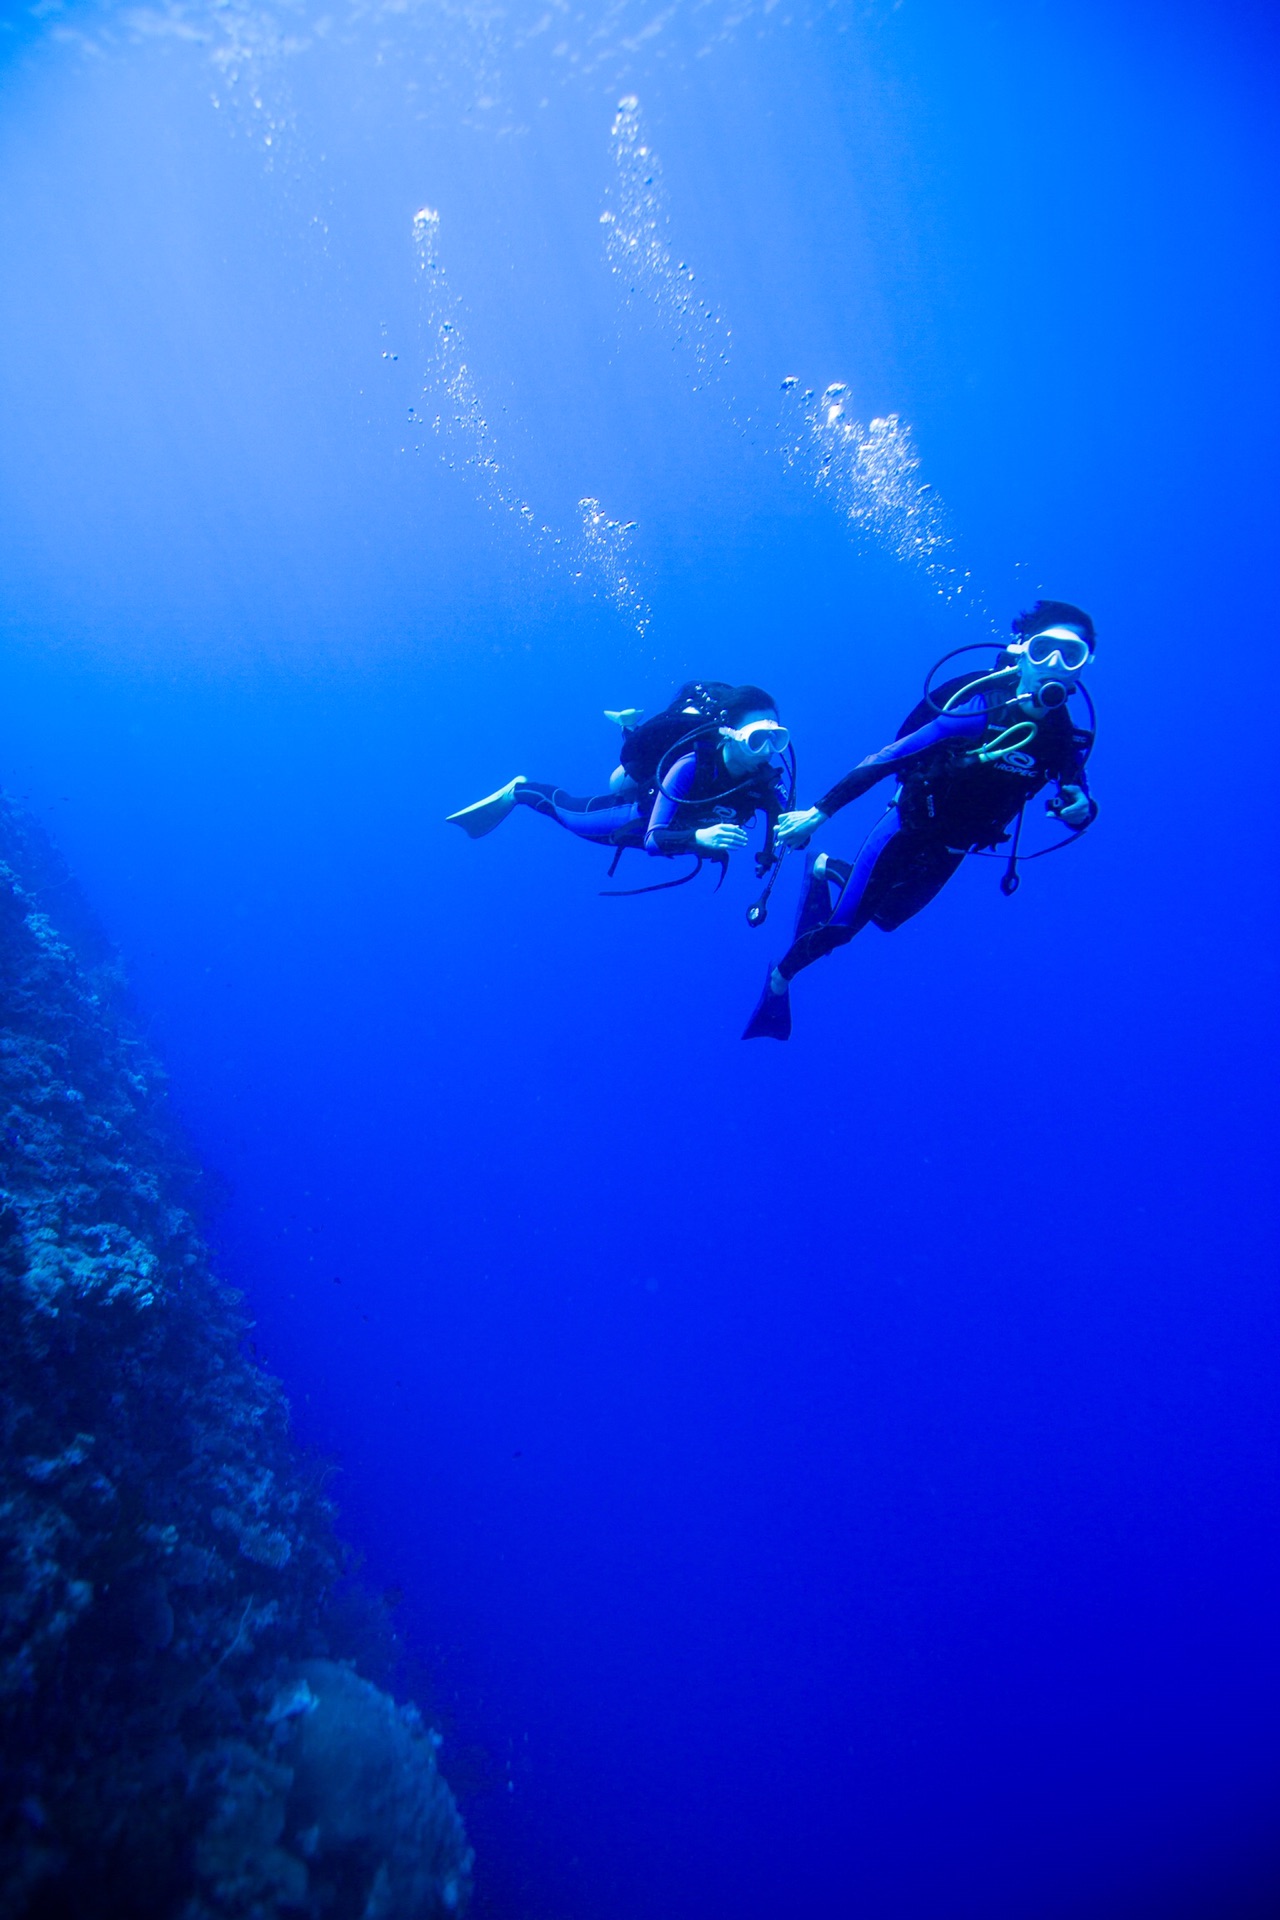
x=690, y=778
x=968, y=759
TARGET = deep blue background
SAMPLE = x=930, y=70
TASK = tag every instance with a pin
x=833, y=1480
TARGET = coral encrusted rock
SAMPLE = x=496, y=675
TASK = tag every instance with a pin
x=178, y=1737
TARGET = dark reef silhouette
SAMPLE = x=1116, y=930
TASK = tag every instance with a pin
x=181, y=1736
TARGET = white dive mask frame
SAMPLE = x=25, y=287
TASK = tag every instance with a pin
x=776, y=738
x=1069, y=651
x=1050, y=663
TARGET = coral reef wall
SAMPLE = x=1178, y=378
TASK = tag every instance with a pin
x=178, y=1737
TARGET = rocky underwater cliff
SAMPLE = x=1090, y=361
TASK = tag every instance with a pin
x=181, y=1735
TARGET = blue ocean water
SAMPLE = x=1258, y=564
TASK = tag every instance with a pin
x=832, y=1479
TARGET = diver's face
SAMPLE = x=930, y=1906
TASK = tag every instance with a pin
x=753, y=742
x=1050, y=665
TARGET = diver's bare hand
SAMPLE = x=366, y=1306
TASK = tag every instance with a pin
x=1074, y=807
x=721, y=838
x=794, y=829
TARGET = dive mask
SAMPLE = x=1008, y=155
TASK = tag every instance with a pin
x=1057, y=646
x=1048, y=662
x=760, y=738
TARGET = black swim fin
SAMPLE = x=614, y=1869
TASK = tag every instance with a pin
x=772, y=1017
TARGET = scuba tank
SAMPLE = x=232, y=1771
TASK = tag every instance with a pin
x=698, y=704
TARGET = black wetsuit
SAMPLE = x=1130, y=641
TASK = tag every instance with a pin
x=950, y=802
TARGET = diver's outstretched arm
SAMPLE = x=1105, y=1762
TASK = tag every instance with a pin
x=876, y=766
x=797, y=829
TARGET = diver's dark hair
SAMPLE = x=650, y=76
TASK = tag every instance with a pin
x=1054, y=613
x=745, y=700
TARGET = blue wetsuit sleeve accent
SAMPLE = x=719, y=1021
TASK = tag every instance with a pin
x=661, y=836
x=970, y=724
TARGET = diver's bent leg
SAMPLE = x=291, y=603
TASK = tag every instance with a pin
x=820, y=870
x=849, y=907
x=814, y=942
x=815, y=896
x=601, y=817
x=811, y=946
x=772, y=1017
